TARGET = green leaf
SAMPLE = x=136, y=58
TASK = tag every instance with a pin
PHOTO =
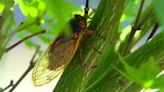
x=61, y=12
x=1, y=7
x=28, y=8
x=46, y=38
x=6, y=5
x=7, y=15
x=145, y=75
x=132, y=72
x=45, y=14
x=154, y=48
x=148, y=72
x=30, y=43
x=158, y=4
x=159, y=82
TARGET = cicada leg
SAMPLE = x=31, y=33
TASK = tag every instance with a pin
x=91, y=32
x=87, y=35
x=93, y=46
x=82, y=61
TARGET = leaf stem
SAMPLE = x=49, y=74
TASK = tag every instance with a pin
x=133, y=30
x=22, y=40
x=156, y=26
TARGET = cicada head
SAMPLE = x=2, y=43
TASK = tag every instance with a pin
x=78, y=23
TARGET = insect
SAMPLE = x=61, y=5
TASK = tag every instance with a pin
x=58, y=55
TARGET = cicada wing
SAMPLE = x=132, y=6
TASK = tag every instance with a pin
x=42, y=74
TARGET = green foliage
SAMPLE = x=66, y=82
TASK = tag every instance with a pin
x=39, y=15
x=113, y=20
x=46, y=14
x=159, y=82
x=6, y=23
x=145, y=75
x=158, y=5
x=105, y=77
x=95, y=79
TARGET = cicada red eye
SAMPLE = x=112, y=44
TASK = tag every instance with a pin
x=82, y=24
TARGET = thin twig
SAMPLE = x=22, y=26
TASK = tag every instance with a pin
x=17, y=43
x=31, y=65
x=145, y=19
x=11, y=84
x=156, y=26
x=20, y=27
x=133, y=30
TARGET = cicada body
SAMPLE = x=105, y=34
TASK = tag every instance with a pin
x=58, y=55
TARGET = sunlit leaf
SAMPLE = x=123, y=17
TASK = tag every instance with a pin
x=1, y=7
x=41, y=5
x=159, y=82
x=46, y=39
x=29, y=43
x=145, y=75
x=28, y=8
x=148, y=70
x=132, y=73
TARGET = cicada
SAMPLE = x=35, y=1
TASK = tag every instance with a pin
x=58, y=55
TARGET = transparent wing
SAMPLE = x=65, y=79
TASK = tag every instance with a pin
x=42, y=74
